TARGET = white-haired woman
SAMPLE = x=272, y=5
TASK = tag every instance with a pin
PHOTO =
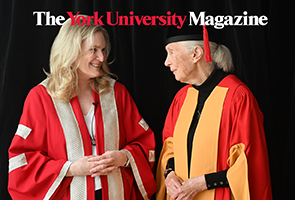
x=80, y=135
x=214, y=143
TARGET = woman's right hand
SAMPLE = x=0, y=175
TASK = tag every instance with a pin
x=80, y=168
x=173, y=183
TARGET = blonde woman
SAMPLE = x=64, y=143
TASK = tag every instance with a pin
x=80, y=135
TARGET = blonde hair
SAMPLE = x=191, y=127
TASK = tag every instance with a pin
x=220, y=54
x=66, y=49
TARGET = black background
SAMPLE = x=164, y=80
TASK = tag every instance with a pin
x=263, y=58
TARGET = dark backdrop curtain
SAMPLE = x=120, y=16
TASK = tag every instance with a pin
x=261, y=56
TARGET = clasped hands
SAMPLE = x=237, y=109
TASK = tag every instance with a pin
x=179, y=189
x=97, y=165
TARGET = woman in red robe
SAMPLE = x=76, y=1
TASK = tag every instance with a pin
x=80, y=135
x=214, y=142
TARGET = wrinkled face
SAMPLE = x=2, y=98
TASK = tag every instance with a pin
x=92, y=56
x=180, y=62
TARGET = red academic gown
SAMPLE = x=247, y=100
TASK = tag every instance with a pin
x=40, y=152
x=241, y=123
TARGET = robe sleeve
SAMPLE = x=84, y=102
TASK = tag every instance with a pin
x=248, y=175
x=33, y=174
x=167, y=149
x=139, y=142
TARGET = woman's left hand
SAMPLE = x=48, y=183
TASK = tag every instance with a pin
x=190, y=188
x=107, y=162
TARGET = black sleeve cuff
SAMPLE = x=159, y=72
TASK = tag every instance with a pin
x=216, y=180
x=170, y=164
x=169, y=167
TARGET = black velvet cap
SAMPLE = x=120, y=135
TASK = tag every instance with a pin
x=192, y=32
x=188, y=32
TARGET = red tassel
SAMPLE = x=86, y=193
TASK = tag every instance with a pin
x=206, y=45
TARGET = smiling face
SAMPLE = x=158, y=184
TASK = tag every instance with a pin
x=181, y=62
x=92, y=56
